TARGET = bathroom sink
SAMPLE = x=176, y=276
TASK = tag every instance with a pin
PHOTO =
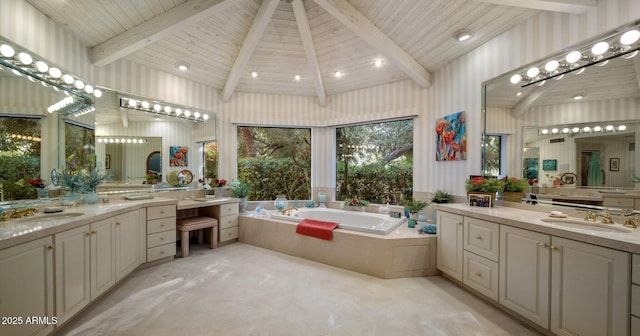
x=49, y=217
x=582, y=224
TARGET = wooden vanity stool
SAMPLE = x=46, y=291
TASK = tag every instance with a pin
x=200, y=223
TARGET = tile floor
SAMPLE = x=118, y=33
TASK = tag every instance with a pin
x=240, y=289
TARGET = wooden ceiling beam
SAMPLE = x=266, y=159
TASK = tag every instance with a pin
x=309, y=48
x=562, y=6
x=350, y=17
x=260, y=23
x=155, y=29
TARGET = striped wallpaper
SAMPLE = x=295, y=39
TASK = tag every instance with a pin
x=456, y=87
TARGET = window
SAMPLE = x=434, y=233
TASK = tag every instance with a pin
x=275, y=161
x=493, y=155
x=20, y=139
x=79, y=146
x=374, y=162
x=210, y=159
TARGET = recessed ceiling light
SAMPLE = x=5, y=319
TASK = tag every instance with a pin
x=338, y=74
x=463, y=34
x=519, y=94
x=182, y=66
x=578, y=97
x=378, y=62
x=254, y=74
x=297, y=78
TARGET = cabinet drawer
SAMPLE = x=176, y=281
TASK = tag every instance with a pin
x=228, y=221
x=161, y=238
x=162, y=224
x=481, y=274
x=635, y=326
x=162, y=251
x=161, y=211
x=482, y=238
x=228, y=234
x=627, y=203
x=226, y=209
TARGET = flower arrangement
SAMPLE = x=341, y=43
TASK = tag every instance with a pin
x=517, y=185
x=220, y=182
x=356, y=202
x=482, y=184
x=37, y=182
x=532, y=181
x=88, y=180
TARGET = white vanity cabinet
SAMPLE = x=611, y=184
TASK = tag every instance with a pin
x=227, y=216
x=26, y=287
x=91, y=258
x=481, y=245
x=635, y=295
x=449, y=244
x=161, y=232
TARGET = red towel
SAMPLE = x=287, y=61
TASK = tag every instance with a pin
x=316, y=228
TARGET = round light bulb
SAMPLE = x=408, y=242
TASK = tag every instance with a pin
x=24, y=58
x=205, y=117
x=79, y=84
x=575, y=130
x=544, y=131
x=597, y=129
x=167, y=109
x=7, y=51
x=133, y=103
x=55, y=72
x=515, y=79
x=157, y=107
x=377, y=63
x=187, y=113
x=609, y=128
x=622, y=128
x=552, y=65
x=196, y=115
x=554, y=130
x=67, y=79
x=178, y=111
x=145, y=104
x=630, y=37
x=297, y=78
x=88, y=89
x=338, y=74
x=574, y=56
x=600, y=48
x=565, y=130
x=42, y=67
x=97, y=93
x=531, y=73
x=586, y=129
x=254, y=74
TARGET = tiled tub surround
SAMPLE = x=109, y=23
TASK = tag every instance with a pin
x=402, y=253
x=348, y=220
x=562, y=280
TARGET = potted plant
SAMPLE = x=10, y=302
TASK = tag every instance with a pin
x=484, y=185
x=355, y=204
x=240, y=190
x=441, y=196
x=514, y=189
x=414, y=206
x=88, y=180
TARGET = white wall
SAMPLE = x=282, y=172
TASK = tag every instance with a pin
x=456, y=87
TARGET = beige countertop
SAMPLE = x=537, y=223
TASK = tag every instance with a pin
x=532, y=220
x=20, y=230
x=569, y=197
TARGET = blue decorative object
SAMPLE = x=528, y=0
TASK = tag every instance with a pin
x=430, y=229
x=310, y=204
x=406, y=213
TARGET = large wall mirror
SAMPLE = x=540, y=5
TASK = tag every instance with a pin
x=578, y=129
x=44, y=125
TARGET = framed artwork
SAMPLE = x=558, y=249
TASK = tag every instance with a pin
x=178, y=156
x=451, y=137
x=107, y=161
x=549, y=164
x=614, y=164
x=481, y=200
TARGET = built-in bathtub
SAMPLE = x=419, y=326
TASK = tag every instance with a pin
x=348, y=220
x=403, y=252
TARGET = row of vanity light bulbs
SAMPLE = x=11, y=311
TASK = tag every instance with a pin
x=600, y=54
x=121, y=140
x=585, y=129
x=143, y=105
x=44, y=72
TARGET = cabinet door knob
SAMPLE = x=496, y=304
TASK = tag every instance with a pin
x=51, y=247
x=117, y=223
x=162, y=211
x=162, y=225
x=478, y=274
x=459, y=223
x=161, y=252
x=543, y=245
x=88, y=233
x=478, y=237
x=555, y=249
x=93, y=232
x=161, y=238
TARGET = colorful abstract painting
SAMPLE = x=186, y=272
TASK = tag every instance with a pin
x=451, y=138
x=178, y=156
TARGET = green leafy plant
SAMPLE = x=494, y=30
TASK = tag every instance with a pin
x=356, y=202
x=441, y=196
x=89, y=179
x=239, y=189
x=482, y=184
x=415, y=206
x=517, y=185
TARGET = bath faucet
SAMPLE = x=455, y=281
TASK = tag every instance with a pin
x=605, y=217
x=590, y=216
x=287, y=211
x=631, y=219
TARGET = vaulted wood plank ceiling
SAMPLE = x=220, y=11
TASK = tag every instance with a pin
x=414, y=38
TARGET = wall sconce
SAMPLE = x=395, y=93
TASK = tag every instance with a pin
x=162, y=109
x=599, y=51
x=23, y=64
